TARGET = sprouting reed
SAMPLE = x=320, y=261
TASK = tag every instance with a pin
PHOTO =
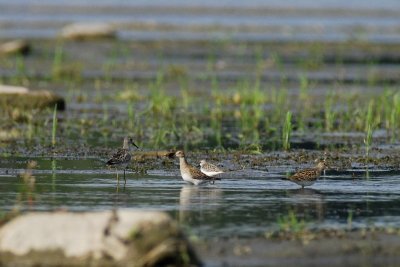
x=286, y=132
x=304, y=86
x=329, y=114
x=368, y=140
x=131, y=116
x=57, y=61
x=216, y=113
x=216, y=122
x=349, y=219
x=304, y=103
x=259, y=55
x=369, y=129
x=20, y=69
x=394, y=117
x=290, y=223
x=54, y=128
x=279, y=98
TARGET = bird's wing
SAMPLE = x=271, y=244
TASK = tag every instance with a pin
x=197, y=174
x=305, y=175
x=212, y=167
x=118, y=157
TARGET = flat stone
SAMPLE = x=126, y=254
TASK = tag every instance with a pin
x=25, y=99
x=15, y=47
x=79, y=31
x=10, y=89
x=108, y=238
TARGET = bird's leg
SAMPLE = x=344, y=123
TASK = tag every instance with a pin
x=124, y=178
x=117, y=175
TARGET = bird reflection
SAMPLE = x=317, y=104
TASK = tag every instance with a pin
x=194, y=201
x=307, y=201
x=304, y=194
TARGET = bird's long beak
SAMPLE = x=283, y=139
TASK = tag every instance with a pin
x=134, y=145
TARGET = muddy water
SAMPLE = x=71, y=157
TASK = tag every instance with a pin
x=246, y=203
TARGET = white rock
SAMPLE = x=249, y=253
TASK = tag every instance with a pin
x=91, y=234
x=10, y=89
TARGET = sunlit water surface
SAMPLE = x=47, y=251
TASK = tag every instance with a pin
x=248, y=203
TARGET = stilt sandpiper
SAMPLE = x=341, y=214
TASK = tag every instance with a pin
x=122, y=157
x=309, y=176
x=191, y=174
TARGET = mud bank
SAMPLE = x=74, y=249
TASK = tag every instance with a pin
x=347, y=249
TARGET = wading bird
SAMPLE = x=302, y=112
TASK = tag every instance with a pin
x=122, y=157
x=191, y=174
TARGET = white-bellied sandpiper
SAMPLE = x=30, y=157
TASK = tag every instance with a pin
x=122, y=157
x=209, y=169
x=309, y=176
x=191, y=174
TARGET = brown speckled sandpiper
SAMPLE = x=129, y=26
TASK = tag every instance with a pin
x=309, y=176
x=122, y=157
x=209, y=169
x=191, y=174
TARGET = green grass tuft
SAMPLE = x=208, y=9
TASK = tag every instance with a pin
x=287, y=130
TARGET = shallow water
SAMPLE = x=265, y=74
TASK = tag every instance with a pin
x=244, y=203
x=271, y=20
